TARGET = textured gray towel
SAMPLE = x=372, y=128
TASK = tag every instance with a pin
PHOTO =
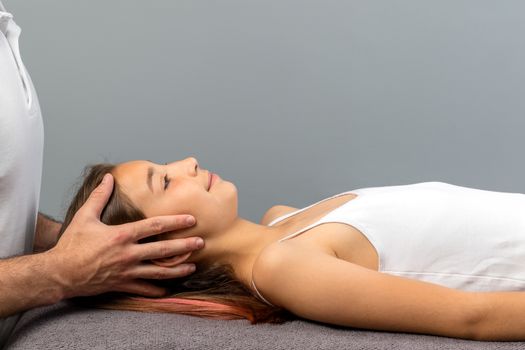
x=68, y=327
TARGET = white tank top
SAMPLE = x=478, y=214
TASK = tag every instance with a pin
x=458, y=237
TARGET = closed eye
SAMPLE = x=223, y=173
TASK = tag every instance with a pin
x=166, y=182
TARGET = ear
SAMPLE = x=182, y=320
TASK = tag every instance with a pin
x=171, y=261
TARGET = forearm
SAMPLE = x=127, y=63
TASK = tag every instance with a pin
x=502, y=317
x=46, y=233
x=26, y=282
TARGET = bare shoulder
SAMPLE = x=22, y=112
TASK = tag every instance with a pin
x=278, y=262
x=274, y=212
x=318, y=286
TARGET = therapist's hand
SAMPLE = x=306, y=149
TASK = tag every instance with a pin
x=92, y=258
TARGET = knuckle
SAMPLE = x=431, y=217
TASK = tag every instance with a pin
x=156, y=225
x=120, y=236
x=164, y=250
x=80, y=216
x=123, y=275
x=160, y=274
x=97, y=192
x=127, y=258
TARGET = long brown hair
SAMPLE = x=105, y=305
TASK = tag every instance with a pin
x=211, y=292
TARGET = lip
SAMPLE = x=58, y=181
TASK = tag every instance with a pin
x=214, y=178
x=210, y=177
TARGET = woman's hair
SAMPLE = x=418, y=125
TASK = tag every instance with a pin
x=211, y=292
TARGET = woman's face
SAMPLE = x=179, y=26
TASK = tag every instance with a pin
x=180, y=187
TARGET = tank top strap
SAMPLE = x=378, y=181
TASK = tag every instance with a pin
x=260, y=295
x=286, y=216
x=358, y=192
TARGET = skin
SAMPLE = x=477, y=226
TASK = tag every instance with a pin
x=92, y=258
x=304, y=275
x=229, y=238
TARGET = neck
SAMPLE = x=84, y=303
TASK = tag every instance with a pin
x=239, y=245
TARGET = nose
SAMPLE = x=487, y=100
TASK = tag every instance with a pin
x=192, y=160
x=193, y=164
x=189, y=164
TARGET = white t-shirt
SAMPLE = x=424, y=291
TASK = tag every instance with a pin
x=21, y=151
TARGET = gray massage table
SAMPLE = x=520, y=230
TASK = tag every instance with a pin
x=64, y=326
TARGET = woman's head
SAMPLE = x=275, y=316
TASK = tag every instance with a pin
x=119, y=209
x=143, y=189
x=180, y=187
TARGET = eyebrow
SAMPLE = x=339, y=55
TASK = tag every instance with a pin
x=149, y=178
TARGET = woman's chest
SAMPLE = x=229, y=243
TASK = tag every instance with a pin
x=340, y=239
x=343, y=241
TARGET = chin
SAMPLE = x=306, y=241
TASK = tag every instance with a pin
x=232, y=189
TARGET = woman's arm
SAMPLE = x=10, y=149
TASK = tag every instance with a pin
x=321, y=287
x=504, y=317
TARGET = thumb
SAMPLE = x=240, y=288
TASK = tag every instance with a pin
x=99, y=197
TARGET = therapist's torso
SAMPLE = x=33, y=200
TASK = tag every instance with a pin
x=21, y=151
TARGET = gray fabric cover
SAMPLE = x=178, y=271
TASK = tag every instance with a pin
x=63, y=326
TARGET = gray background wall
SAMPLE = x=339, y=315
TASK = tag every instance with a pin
x=291, y=100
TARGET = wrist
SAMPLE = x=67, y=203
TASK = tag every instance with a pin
x=59, y=288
